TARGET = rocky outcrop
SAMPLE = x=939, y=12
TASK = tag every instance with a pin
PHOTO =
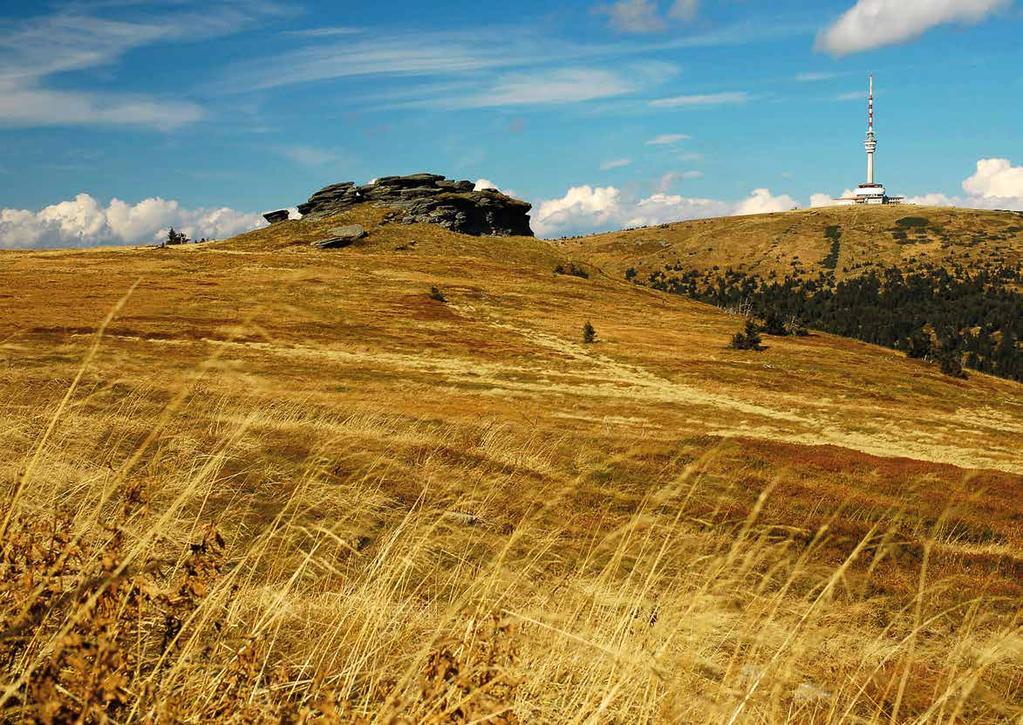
x=276, y=217
x=430, y=199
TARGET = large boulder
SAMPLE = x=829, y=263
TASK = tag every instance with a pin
x=341, y=237
x=430, y=199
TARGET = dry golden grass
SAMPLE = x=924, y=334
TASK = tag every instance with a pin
x=284, y=484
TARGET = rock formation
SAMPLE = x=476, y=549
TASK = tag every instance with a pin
x=276, y=217
x=430, y=199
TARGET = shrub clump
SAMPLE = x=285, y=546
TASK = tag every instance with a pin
x=436, y=294
x=572, y=269
x=589, y=333
x=749, y=338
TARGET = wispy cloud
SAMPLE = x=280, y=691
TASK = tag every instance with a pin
x=851, y=96
x=459, y=56
x=815, y=77
x=311, y=155
x=35, y=49
x=535, y=87
x=667, y=139
x=562, y=85
x=668, y=180
x=324, y=32
x=615, y=164
x=633, y=16
x=28, y=107
x=644, y=16
x=704, y=99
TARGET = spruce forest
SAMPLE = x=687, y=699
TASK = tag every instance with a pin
x=954, y=317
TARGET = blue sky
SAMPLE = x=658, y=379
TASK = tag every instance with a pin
x=119, y=117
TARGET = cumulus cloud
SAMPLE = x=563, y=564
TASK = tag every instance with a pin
x=85, y=221
x=819, y=200
x=761, y=201
x=484, y=184
x=586, y=209
x=934, y=199
x=995, y=184
x=994, y=180
x=875, y=23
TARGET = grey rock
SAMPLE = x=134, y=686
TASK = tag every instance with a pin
x=341, y=237
x=276, y=217
x=430, y=199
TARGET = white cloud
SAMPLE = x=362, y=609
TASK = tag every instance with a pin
x=823, y=200
x=643, y=16
x=582, y=207
x=36, y=48
x=934, y=199
x=83, y=220
x=325, y=32
x=667, y=180
x=666, y=139
x=761, y=201
x=484, y=184
x=585, y=209
x=611, y=164
x=33, y=107
x=876, y=23
x=852, y=96
x=684, y=9
x=562, y=85
x=546, y=86
x=996, y=179
x=814, y=77
x=995, y=184
x=633, y=16
x=705, y=99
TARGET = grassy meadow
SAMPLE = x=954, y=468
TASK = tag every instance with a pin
x=252, y=481
x=845, y=240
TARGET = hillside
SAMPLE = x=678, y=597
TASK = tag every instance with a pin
x=846, y=240
x=306, y=487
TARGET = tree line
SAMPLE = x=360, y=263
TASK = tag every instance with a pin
x=954, y=317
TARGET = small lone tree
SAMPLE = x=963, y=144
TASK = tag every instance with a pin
x=589, y=334
x=174, y=238
x=749, y=338
x=436, y=294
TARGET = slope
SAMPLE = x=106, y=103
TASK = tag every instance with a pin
x=846, y=240
x=416, y=465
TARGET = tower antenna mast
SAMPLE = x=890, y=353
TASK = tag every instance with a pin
x=871, y=143
x=871, y=192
